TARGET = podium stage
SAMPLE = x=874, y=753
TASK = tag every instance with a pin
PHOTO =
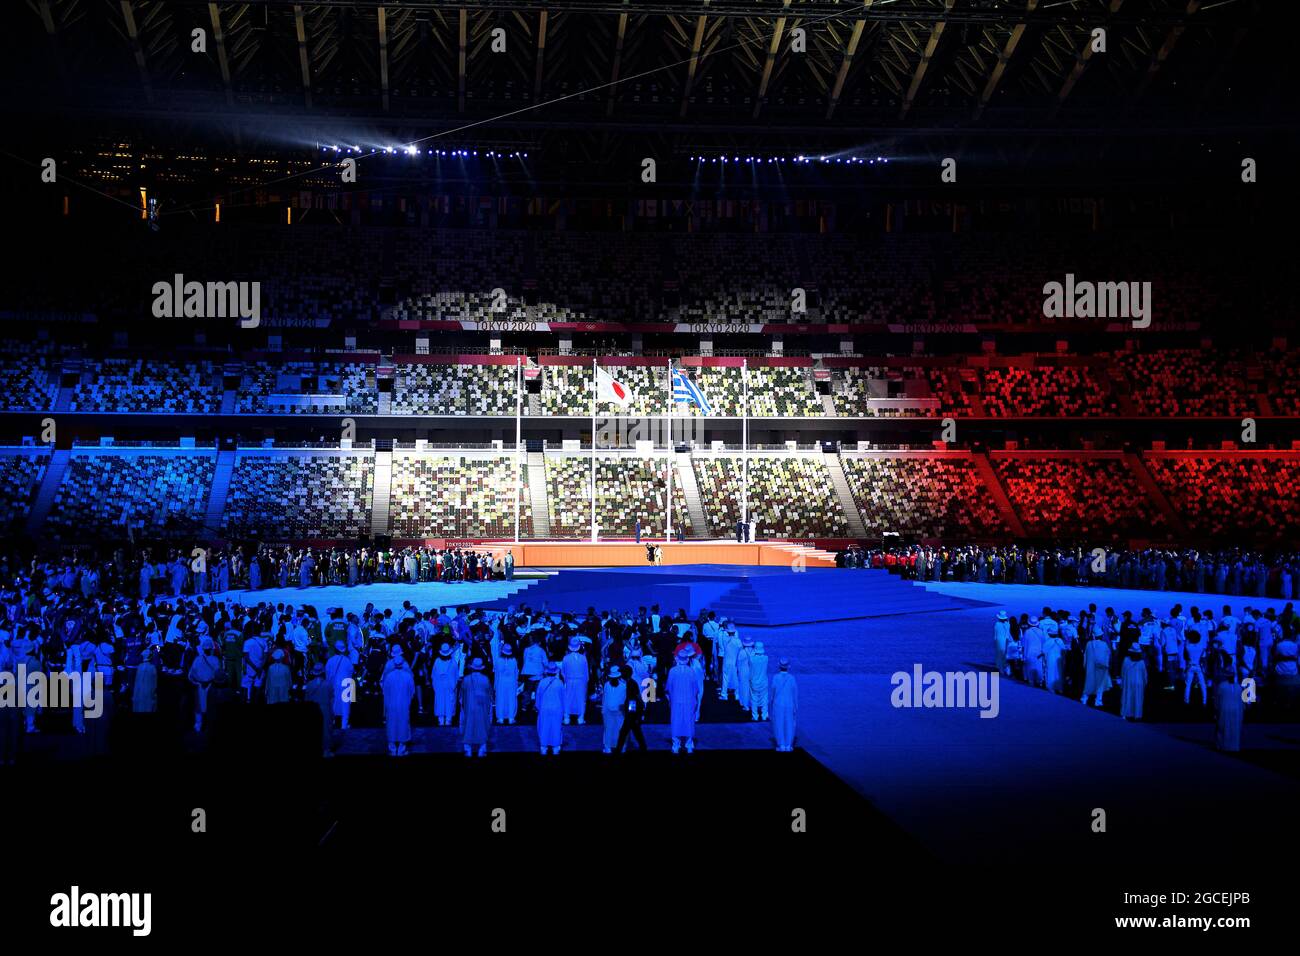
x=766, y=596
x=629, y=554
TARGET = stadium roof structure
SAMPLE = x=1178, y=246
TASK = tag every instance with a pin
x=216, y=95
x=899, y=66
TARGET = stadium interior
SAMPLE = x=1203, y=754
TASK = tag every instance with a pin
x=361, y=274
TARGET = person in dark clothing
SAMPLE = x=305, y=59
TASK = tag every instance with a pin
x=171, y=684
x=662, y=643
x=634, y=713
x=590, y=627
x=1129, y=634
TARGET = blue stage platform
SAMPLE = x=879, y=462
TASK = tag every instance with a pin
x=757, y=596
x=353, y=600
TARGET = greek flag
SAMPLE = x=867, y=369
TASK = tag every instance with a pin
x=684, y=390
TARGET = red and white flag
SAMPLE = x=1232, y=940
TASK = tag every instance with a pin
x=610, y=389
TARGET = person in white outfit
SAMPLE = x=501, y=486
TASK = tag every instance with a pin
x=730, y=651
x=338, y=672
x=1194, y=655
x=785, y=707
x=506, y=685
x=758, y=686
x=1001, y=635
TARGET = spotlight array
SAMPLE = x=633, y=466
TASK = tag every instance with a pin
x=800, y=160
x=414, y=150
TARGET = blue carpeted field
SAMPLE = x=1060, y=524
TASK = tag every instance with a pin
x=1025, y=781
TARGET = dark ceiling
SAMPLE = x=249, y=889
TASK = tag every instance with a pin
x=683, y=65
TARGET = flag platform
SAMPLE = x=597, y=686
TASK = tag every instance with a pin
x=629, y=554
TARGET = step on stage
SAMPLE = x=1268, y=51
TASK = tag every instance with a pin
x=760, y=595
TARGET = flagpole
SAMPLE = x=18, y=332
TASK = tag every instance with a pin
x=671, y=451
x=595, y=374
x=519, y=471
x=744, y=440
x=668, y=535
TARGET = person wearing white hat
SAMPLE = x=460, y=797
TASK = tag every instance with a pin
x=338, y=673
x=399, y=690
x=144, y=692
x=203, y=673
x=683, y=692
x=710, y=634
x=1054, y=648
x=1047, y=623
x=356, y=640
x=697, y=664
x=785, y=707
x=506, y=682
x=1171, y=651
x=254, y=664
x=534, y=666
x=1031, y=639
x=1068, y=631
x=743, y=659
x=1096, y=668
x=475, y=708
x=1229, y=708
x=637, y=669
x=1133, y=684
x=279, y=679
x=576, y=677
x=730, y=651
x=1001, y=634
x=445, y=674
x=758, y=686
x=613, y=696
x=550, y=709
x=147, y=575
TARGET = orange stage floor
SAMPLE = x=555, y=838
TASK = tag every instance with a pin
x=620, y=554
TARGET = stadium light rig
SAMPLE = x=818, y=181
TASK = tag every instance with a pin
x=413, y=150
x=801, y=159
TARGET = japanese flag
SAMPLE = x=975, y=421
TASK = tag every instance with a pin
x=610, y=389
